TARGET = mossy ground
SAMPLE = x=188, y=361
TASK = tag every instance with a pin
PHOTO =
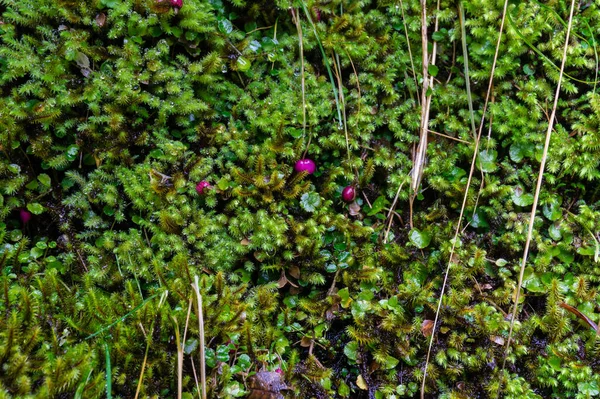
x=111, y=112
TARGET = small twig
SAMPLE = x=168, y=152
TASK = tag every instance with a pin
x=235, y=48
x=330, y=291
x=387, y=232
x=257, y=29
x=357, y=80
x=366, y=199
x=390, y=212
x=449, y=137
x=453, y=62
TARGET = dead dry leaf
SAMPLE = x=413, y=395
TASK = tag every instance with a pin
x=361, y=383
x=101, y=19
x=267, y=385
x=454, y=259
x=294, y=271
x=282, y=281
x=578, y=313
x=497, y=340
x=354, y=209
x=427, y=328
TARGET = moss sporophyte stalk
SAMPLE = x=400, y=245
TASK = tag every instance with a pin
x=288, y=199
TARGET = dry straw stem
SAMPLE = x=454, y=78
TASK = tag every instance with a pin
x=337, y=69
x=163, y=297
x=296, y=18
x=463, y=30
x=420, y=154
x=187, y=320
x=196, y=287
x=419, y=160
x=412, y=64
x=357, y=80
x=538, y=186
x=464, y=203
x=179, y=359
x=389, y=215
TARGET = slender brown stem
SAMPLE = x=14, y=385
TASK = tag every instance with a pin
x=412, y=64
x=464, y=202
x=538, y=186
x=196, y=287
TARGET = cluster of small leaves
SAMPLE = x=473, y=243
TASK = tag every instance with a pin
x=111, y=111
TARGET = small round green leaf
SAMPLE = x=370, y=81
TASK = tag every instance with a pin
x=521, y=198
x=44, y=179
x=243, y=64
x=72, y=152
x=433, y=70
x=419, y=239
x=35, y=208
x=310, y=201
x=552, y=209
x=487, y=161
x=225, y=26
x=351, y=350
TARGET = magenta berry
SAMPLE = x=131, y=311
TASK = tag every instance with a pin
x=349, y=193
x=305, y=165
x=25, y=216
x=202, y=186
x=177, y=3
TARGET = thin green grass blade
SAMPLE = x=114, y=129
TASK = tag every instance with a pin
x=81, y=387
x=120, y=319
x=595, y=51
x=108, y=372
x=326, y=62
x=463, y=39
x=542, y=55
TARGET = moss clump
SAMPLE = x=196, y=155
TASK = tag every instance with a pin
x=112, y=111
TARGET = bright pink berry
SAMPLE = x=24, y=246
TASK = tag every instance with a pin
x=349, y=193
x=203, y=185
x=177, y=3
x=279, y=370
x=305, y=165
x=25, y=216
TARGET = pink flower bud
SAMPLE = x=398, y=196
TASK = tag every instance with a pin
x=349, y=193
x=203, y=185
x=305, y=165
x=25, y=216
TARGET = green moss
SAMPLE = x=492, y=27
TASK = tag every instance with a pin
x=111, y=112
